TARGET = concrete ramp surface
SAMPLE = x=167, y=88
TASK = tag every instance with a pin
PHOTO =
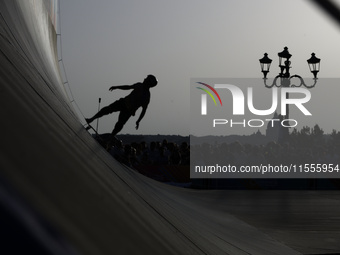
x=62, y=193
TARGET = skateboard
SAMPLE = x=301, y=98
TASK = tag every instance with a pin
x=103, y=142
x=99, y=139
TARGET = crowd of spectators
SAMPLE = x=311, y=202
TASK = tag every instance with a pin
x=154, y=153
x=302, y=147
x=306, y=146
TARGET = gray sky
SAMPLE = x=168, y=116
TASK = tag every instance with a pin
x=109, y=43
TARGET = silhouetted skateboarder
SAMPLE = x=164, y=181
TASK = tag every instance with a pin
x=127, y=106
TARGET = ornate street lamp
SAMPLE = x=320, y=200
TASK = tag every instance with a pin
x=265, y=65
x=314, y=65
x=284, y=75
x=284, y=64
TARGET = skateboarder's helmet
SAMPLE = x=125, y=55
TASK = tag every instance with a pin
x=151, y=80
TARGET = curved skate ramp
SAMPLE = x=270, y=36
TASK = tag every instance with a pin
x=61, y=193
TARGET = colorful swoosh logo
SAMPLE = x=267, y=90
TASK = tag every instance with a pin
x=209, y=93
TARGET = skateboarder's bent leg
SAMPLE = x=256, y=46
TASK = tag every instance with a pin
x=124, y=116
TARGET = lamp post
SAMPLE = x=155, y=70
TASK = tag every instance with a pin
x=284, y=76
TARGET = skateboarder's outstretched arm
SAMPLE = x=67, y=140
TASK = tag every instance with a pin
x=122, y=87
x=141, y=116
